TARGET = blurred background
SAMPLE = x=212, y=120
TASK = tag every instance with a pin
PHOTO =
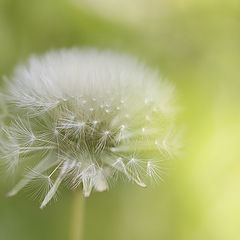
x=193, y=43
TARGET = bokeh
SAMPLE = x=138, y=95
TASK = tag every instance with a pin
x=193, y=43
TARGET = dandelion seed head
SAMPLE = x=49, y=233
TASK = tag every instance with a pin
x=87, y=117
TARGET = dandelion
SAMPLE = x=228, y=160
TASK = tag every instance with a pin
x=86, y=117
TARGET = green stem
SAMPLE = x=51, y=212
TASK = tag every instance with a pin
x=77, y=216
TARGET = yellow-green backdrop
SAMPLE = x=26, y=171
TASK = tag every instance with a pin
x=196, y=45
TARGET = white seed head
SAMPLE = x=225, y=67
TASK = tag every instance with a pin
x=86, y=117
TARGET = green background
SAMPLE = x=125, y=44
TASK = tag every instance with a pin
x=196, y=45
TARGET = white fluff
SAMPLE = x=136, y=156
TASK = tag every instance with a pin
x=88, y=116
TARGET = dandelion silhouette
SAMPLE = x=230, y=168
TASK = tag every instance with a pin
x=86, y=117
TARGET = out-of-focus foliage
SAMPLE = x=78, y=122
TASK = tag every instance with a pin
x=193, y=43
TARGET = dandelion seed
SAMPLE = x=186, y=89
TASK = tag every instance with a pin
x=154, y=171
x=40, y=184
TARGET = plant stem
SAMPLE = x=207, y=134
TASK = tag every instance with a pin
x=77, y=216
